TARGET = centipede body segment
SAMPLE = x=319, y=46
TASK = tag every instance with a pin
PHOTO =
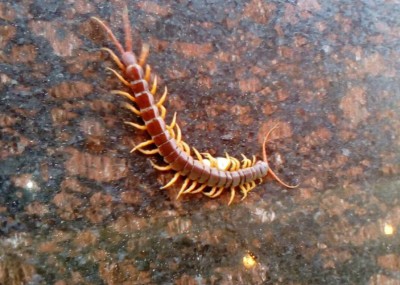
x=202, y=173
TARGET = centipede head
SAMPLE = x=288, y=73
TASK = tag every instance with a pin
x=265, y=159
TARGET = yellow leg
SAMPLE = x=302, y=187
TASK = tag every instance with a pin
x=163, y=112
x=212, y=192
x=115, y=58
x=194, y=184
x=163, y=97
x=172, y=125
x=147, y=73
x=161, y=168
x=252, y=185
x=178, y=134
x=119, y=76
x=172, y=181
x=123, y=93
x=140, y=127
x=245, y=162
x=244, y=190
x=144, y=54
x=143, y=144
x=232, y=195
x=228, y=166
x=198, y=155
x=131, y=108
x=219, y=192
x=213, y=161
x=148, y=152
x=154, y=86
x=184, y=185
x=185, y=147
x=171, y=132
x=236, y=163
x=233, y=165
x=198, y=190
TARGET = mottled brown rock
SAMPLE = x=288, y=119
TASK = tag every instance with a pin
x=249, y=85
x=381, y=279
x=100, y=207
x=259, y=11
x=154, y=8
x=38, y=209
x=7, y=12
x=353, y=105
x=62, y=41
x=13, y=147
x=192, y=50
x=68, y=205
x=61, y=117
x=85, y=238
x=70, y=90
x=23, y=54
x=123, y=273
x=7, y=32
x=129, y=223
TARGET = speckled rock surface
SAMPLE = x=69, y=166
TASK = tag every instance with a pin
x=77, y=208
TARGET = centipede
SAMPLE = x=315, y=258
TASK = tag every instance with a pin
x=200, y=172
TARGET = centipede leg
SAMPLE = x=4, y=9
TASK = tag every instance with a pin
x=232, y=195
x=198, y=190
x=163, y=112
x=185, y=147
x=161, y=168
x=173, y=122
x=154, y=86
x=245, y=162
x=170, y=128
x=198, y=155
x=137, y=126
x=119, y=76
x=172, y=181
x=184, y=185
x=191, y=187
x=131, y=108
x=244, y=190
x=178, y=137
x=163, y=97
x=211, y=159
x=141, y=145
x=144, y=54
x=218, y=193
x=149, y=152
x=211, y=193
x=123, y=93
x=115, y=58
x=147, y=73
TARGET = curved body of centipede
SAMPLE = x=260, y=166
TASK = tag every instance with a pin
x=203, y=173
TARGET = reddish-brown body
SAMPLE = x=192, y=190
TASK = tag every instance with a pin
x=177, y=157
x=168, y=148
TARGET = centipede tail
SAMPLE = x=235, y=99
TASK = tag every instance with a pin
x=202, y=172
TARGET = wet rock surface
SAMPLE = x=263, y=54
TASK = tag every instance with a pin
x=76, y=207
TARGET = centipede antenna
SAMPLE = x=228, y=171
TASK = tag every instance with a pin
x=264, y=152
x=110, y=34
x=127, y=29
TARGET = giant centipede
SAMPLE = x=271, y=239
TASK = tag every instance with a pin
x=202, y=172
